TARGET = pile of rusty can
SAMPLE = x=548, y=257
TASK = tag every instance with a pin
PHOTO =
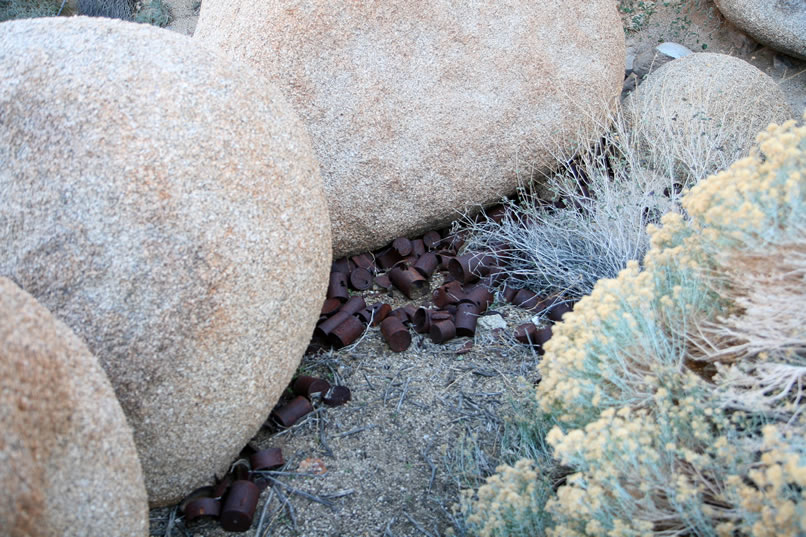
x=408, y=265
x=297, y=401
x=233, y=499
x=552, y=307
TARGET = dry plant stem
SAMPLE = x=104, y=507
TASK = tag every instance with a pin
x=171, y=521
x=355, y=430
x=387, y=531
x=302, y=493
x=403, y=395
x=286, y=504
x=259, y=531
x=363, y=334
x=417, y=525
x=430, y=464
x=628, y=183
x=300, y=424
x=323, y=436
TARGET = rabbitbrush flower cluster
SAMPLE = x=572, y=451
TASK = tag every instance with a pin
x=675, y=390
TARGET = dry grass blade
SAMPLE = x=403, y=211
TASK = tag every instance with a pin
x=417, y=525
x=302, y=493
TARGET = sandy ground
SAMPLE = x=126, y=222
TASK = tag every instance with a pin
x=420, y=426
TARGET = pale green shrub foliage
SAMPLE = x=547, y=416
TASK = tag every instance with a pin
x=25, y=9
x=677, y=388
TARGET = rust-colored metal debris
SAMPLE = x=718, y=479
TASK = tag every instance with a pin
x=526, y=299
x=288, y=414
x=387, y=258
x=347, y=332
x=442, y=331
x=467, y=315
x=330, y=306
x=441, y=315
x=326, y=327
x=530, y=334
x=448, y=293
x=380, y=312
x=364, y=261
x=454, y=241
x=526, y=333
x=337, y=395
x=342, y=265
x=395, y=334
x=202, y=507
x=422, y=320
x=402, y=246
x=308, y=386
x=496, y=213
x=431, y=239
x=480, y=296
x=409, y=281
x=383, y=281
x=543, y=335
x=221, y=485
x=407, y=264
x=355, y=304
x=469, y=268
x=410, y=310
x=557, y=310
x=360, y=279
x=365, y=315
x=239, y=506
x=337, y=288
x=202, y=502
x=427, y=264
x=267, y=459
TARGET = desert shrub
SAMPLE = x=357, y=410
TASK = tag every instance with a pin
x=156, y=13
x=26, y=9
x=587, y=219
x=675, y=390
x=115, y=9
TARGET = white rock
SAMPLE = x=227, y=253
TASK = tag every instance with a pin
x=673, y=50
x=491, y=322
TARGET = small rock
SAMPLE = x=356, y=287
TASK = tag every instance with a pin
x=652, y=59
x=491, y=322
x=312, y=466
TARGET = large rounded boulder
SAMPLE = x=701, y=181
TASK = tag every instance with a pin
x=698, y=114
x=419, y=110
x=164, y=202
x=780, y=24
x=68, y=463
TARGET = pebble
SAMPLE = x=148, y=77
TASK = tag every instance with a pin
x=491, y=322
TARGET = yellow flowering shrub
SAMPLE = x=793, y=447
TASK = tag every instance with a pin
x=676, y=390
